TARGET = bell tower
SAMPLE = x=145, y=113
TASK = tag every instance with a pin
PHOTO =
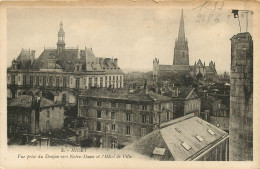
x=181, y=50
x=61, y=40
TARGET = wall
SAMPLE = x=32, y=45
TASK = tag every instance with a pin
x=119, y=135
x=241, y=98
x=56, y=118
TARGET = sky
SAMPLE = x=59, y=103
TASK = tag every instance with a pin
x=133, y=35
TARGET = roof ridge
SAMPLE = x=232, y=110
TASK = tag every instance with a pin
x=180, y=119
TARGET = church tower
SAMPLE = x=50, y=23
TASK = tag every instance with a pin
x=61, y=40
x=181, y=50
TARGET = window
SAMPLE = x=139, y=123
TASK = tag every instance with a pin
x=44, y=80
x=77, y=83
x=113, y=144
x=37, y=80
x=99, y=104
x=99, y=114
x=112, y=115
x=31, y=80
x=128, y=117
x=85, y=102
x=84, y=81
x=90, y=82
x=117, y=105
x=199, y=138
x=95, y=81
x=128, y=130
x=143, y=132
x=98, y=126
x=101, y=82
x=142, y=107
x=113, y=127
x=64, y=82
x=50, y=81
x=57, y=82
x=186, y=146
x=128, y=106
x=143, y=118
x=24, y=80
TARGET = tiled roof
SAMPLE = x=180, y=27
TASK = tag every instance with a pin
x=124, y=94
x=184, y=138
x=25, y=101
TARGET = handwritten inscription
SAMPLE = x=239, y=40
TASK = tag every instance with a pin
x=211, y=6
x=216, y=18
x=211, y=12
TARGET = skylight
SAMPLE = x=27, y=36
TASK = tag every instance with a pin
x=186, y=146
x=159, y=151
x=178, y=130
x=199, y=138
x=211, y=132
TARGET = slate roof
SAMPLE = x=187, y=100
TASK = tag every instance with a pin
x=184, y=92
x=69, y=57
x=25, y=101
x=42, y=61
x=24, y=59
x=174, y=133
x=124, y=94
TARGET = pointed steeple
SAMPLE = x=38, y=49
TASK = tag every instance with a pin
x=181, y=36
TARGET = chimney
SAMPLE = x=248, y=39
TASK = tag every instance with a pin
x=33, y=54
x=115, y=61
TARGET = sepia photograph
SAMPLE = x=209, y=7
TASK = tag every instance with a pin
x=147, y=83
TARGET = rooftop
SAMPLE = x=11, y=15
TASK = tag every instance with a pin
x=183, y=139
x=25, y=101
x=125, y=94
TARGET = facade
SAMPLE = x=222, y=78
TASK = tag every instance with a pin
x=61, y=73
x=181, y=65
x=188, y=138
x=118, y=117
x=185, y=100
x=217, y=112
x=241, y=98
x=33, y=115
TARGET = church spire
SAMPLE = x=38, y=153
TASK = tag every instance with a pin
x=181, y=50
x=181, y=36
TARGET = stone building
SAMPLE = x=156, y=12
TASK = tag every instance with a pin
x=181, y=65
x=185, y=100
x=61, y=73
x=241, y=98
x=217, y=112
x=187, y=138
x=119, y=116
x=33, y=115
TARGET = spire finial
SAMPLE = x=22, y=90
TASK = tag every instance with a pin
x=181, y=35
